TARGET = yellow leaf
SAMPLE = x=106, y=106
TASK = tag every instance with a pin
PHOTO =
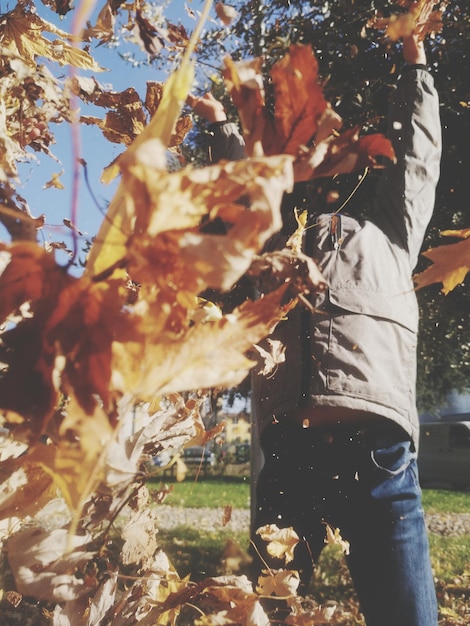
x=451, y=263
x=280, y=583
x=55, y=181
x=207, y=355
x=333, y=537
x=281, y=541
x=21, y=32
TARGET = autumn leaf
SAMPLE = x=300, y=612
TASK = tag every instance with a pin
x=421, y=19
x=171, y=364
x=148, y=35
x=55, y=181
x=127, y=119
x=140, y=538
x=21, y=32
x=24, y=489
x=304, y=125
x=245, y=85
x=272, y=358
x=299, y=101
x=450, y=263
x=225, y=13
x=333, y=537
x=43, y=567
x=103, y=29
x=281, y=583
x=30, y=97
x=341, y=154
x=281, y=542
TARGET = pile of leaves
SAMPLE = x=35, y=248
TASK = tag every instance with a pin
x=80, y=353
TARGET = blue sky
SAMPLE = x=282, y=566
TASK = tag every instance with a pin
x=96, y=151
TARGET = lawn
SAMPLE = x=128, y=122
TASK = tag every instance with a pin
x=209, y=492
x=201, y=553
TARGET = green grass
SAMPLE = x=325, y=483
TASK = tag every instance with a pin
x=217, y=492
x=442, y=501
x=209, y=492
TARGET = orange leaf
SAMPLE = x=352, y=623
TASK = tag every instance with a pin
x=451, y=263
x=299, y=100
x=420, y=19
x=302, y=116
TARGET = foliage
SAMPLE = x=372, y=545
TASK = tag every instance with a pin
x=81, y=355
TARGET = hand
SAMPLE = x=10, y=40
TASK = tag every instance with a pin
x=413, y=50
x=207, y=107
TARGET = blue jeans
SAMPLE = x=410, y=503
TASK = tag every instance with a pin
x=364, y=482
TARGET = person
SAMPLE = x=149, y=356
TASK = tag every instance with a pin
x=338, y=420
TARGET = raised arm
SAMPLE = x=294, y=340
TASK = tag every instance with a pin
x=406, y=193
x=225, y=140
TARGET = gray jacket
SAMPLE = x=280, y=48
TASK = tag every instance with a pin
x=359, y=350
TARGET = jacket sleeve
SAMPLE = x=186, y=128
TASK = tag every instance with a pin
x=406, y=192
x=225, y=142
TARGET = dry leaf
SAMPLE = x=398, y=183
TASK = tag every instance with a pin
x=44, y=568
x=227, y=514
x=281, y=541
x=451, y=263
x=280, y=583
x=333, y=537
x=21, y=32
x=225, y=13
x=305, y=125
x=140, y=538
x=420, y=19
x=271, y=358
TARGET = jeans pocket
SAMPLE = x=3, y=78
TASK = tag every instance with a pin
x=394, y=459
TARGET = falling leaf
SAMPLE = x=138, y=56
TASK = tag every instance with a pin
x=55, y=181
x=272, y=358
x=21, y=32
x=140, y=538
x=333, y=537
x=295, y=240
x=227, y=514
x=450, y=263
x=43, y=568
x=148, y=35
x=421, y=19
x=281, y=542
x=225, y=13
x=305, y=125
x=281, y=583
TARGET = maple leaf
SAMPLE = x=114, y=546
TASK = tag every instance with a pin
x=272, y=358
x=43, y=567
x=175, y=364
x=281, y=583
x=300, y=104
x=148, y=35
x=333, y=537
x=281, y=541
x=225, y=13
x=421, y=19
x=341, y=154
x=302, y=118
x=21, y=32
x=25, y=488
x=140, y=538
x=103, y=29
x=451, y=263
